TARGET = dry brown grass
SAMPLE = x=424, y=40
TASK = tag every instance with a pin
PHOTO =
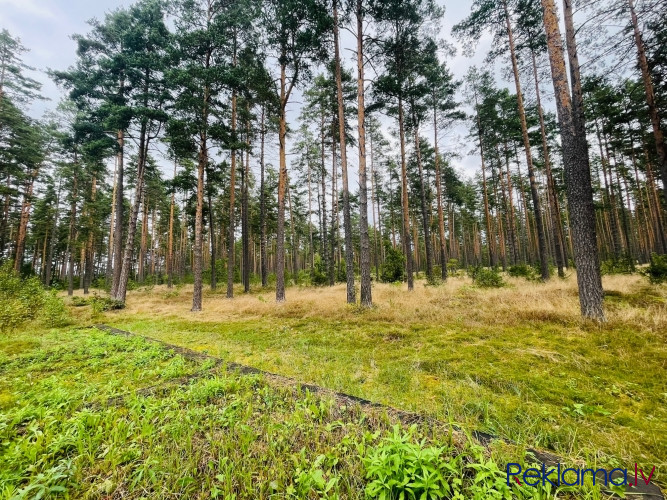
x=630, y=302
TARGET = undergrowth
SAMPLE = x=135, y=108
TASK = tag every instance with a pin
x=88, y=414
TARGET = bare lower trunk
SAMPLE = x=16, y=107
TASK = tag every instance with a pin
x=232, y=226
x=282, y=181
x=578, y=178
x=170, y=242
x=438, y=187
x=23, y=222
x=118, y=221
x=556, y=225
x=650, y=99
x=347, y=221
x=365, y=251
x=262, y=203
x=407, y=244
x=537, y=210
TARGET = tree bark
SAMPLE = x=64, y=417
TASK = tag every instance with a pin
x=347, y=221
x=407, y=244
x=365, y=250
x=650, y=99
x=232, y=191
x=537, y=209
x=578, y=177
x=282, y=181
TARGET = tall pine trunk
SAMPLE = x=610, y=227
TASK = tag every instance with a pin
x=282, y=181
x=438, y=189
x=650, y=99
x=232, y=191
x=364, y=250
x=578, y=177
x=537, y=209
x=556, y=226
x=347, y=221
x=262, y=202
x=407, y=244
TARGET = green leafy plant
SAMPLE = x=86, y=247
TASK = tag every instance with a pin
x=401, y=467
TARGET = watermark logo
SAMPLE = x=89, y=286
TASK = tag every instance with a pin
x=557, y=476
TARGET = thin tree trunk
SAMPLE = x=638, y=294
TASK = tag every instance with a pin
x=245, y=216
x=438, y=187
x=232, y=192
x=347, y=221
x=551, y=191
x=262, y=201
x=404, y=198
x=282, y=182
x=365, y=251
x=170, y=241
x=23, y=222
x=650, y=99
x=537, y=210
x=424, y=207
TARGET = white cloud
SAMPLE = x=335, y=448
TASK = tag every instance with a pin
x=30, y=7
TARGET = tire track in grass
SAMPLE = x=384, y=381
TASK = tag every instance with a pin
x=643, y=491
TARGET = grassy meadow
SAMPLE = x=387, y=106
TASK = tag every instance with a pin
x=87, y=414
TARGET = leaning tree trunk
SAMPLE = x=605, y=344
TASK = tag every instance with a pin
x=364, y=243
x=552, y=196
x=537, y=209
x=347, y=221
x=650, y=99
x=134, y=215
x=578, y=177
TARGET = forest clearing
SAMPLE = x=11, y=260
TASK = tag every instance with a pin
x=333, y=249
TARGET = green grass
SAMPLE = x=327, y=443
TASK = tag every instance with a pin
x=590, y=393
x=86, y=414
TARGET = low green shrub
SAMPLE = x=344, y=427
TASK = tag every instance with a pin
x=25, y=299
x=319, y=274
x=521, y=271
x=486, y=277
x=620, y=265
x=656, y=272
x=102, y=304
x=394, y=264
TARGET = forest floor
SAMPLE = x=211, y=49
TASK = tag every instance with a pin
x=517, y=362
x=86, y=413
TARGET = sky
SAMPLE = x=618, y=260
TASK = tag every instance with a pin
x=45, y=27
